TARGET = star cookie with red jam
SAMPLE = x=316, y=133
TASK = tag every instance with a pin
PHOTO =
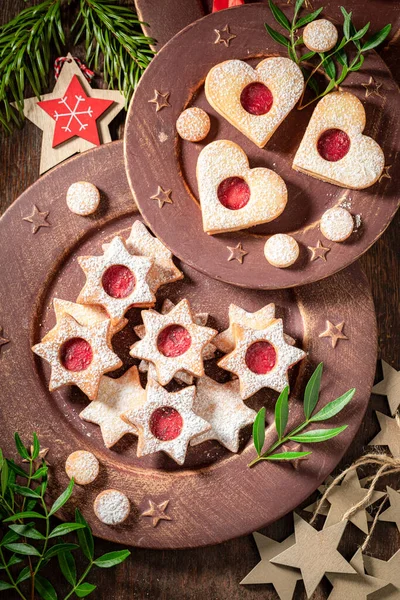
x=173, y=342
x=78, y=355
x=222, y=406
x=166, y=422
x=261, y=358
x=115, y=396
x=116, y=281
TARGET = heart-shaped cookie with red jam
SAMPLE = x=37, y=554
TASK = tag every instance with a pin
x=334, y=148
x=255, y=101
x=233, y=196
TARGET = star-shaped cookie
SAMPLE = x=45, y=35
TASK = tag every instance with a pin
x=166, y=421
x=188, y=357
x=157, y=512
x=115, y=396
x=93, y=358
x=122, y=275
x=222, y=407
x=282, y=357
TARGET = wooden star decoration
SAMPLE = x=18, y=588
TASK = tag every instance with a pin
x=392, y=514
x=307, y=4
x=160, y=100
x=43, y=452
x=295, y=464
x=357, y=586
x=283, y=579
x=162, y=196
x=335, y=332
x=37, y=218
x=52, y=156
x=385, y=174
x=389, y=386
x=237, y=253
x=389, y=434
x=318, y=251
x=224, y=36
x=389, y=571
x=345, y=496
x=3, y=340
x=315, y=553
x=324, y=509
x=157, y=512
x=372, y=87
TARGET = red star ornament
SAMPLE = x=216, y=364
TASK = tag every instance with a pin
x=75, y=114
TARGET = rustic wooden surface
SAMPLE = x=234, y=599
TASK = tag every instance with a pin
x=214, y=572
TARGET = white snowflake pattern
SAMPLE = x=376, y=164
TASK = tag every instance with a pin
x=73, y=113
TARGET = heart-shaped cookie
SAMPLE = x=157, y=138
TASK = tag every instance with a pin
x=255, y=101
x=334, y=149
x=233, y=196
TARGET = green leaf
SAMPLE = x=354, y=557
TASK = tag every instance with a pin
x=286, y=456
x=307, y=56
x=282, y=412
x=59, y=549
x=22, y=451
x=278, y=37
x=317, y=435
x=36, y=447
x=341, y=57
x=357, y=66
x=4, y=478
x=10, y=536
x=312, y=82
x=308, y=18
x=27, y=531
x=61, y=500
x=298, y=5
x=376, y=39
x=28, y=514
x=85, y=536
x=360, y=33
x=1, y=459
x=20, y=548
x=44, y=588
x=111, y=559
x=311, y=393
x=84, y=590
x=330, y=68
x=67, y=565
x=40, y=472
x=5, y=586
x=347, y=22
x=333, y=408
x=279, y=16
x=24, y=574
x=343, y=75
x=330, y=86
x=65, y=528
x=25, y=491
x=17, y=469
x=259, y=430
x=14, y=560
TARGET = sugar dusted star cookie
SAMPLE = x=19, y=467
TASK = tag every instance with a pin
x=261, y=358
x=166, y=422
x=115, y=396
x=222, y=406
x=173, y=342
x=78, y=355
x=116, y=281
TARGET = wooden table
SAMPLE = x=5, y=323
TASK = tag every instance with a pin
x=215, y=572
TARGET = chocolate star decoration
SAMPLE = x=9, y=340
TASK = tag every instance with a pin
x=372, y=87
x=389, y=386
x=315, y=553
x=385, y=174
x=37, y=218
x=283, y=579
x=335, y=332
x=392, y=514
x=3, y=340
x=389, y=434
x=295, y=464
x=356, y=586
x=237, y=253
x=157, y=512
x=160, y=100
x=389, y=571
x=224, y=36
x=162, y=196
x=318, y=251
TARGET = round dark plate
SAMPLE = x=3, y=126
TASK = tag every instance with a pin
x=156, y=156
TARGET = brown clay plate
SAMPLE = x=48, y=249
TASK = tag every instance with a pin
x=156, y=156
x=215, y=496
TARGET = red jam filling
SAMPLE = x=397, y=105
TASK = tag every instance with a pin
x=233, y=193
x=256, y=98
x=76, y=354
x=166, y=423
x=333, y=144
x=174, y=340
x=260, y=357
x=118, y=281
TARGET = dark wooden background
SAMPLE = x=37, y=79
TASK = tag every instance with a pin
x=215, y=572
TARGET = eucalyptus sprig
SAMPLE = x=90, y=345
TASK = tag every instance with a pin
x=336, y=64
x=311, y=397
x=30, y=539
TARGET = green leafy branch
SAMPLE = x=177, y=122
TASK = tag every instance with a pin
x=311, y=397
x=336, y=64
x=29, y=542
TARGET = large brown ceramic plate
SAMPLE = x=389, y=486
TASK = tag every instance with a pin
x=156, y=156
x=214, y=496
